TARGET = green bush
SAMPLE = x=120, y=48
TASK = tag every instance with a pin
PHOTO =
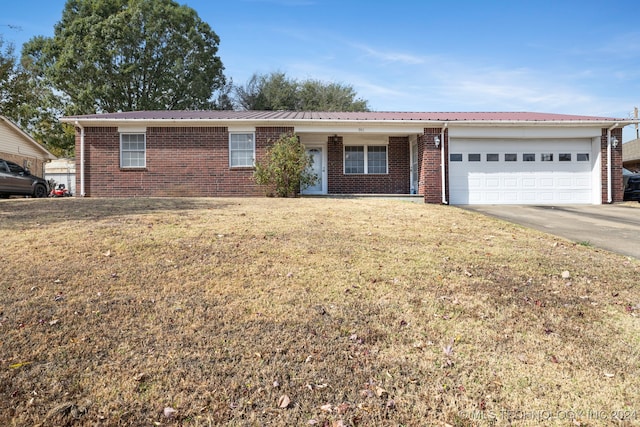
x=285, y=167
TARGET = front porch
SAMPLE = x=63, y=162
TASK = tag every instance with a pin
x=382, y=165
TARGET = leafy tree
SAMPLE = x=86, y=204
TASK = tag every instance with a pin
x=115, y=55
x=315, y=95
x=286, y=167
x=276, y=91
x=222, y=98
x=268, y=92
x=31, y=103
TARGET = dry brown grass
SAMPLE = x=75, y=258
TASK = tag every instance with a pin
x=360, y=312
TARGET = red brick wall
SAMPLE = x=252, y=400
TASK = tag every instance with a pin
x=396, y=181
x=430, y=171
x=617, y=185
x=181, y=161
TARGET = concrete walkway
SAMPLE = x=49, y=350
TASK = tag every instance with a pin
x=612, y=227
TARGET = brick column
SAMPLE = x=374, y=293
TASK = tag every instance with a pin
x=430, y=172
x=617, y=189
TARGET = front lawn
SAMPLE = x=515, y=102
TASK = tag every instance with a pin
x=320, y=312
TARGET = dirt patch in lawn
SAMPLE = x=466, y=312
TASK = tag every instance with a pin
x=307, y=312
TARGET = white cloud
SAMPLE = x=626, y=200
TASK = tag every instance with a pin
x=390, y=56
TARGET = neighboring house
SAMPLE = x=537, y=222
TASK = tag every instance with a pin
x=18, y=147
x=631, y=155
x=62, y=171
x=457, y=158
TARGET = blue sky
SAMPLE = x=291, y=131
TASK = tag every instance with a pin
x=555, y=56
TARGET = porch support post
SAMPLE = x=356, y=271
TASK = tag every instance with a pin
x=430, y=170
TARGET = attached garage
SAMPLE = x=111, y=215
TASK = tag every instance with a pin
x=448, y=158
x=521, y=171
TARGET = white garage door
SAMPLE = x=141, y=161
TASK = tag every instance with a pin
x=520, y=171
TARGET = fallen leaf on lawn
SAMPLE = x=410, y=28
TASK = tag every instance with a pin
x=608, y=375
x=108, y=253
x=276, y=384
x=312, y=422
x=53, y=322
x=19, y=365
x=448, y=349
x=366, y=393
x=284, y=401
x=343, y=407
x=169, y=412
x=326, y=408
x=380, y=391
x=308, y=359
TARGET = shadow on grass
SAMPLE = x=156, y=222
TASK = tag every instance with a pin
x=43, y=212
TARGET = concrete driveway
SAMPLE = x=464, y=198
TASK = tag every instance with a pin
x=612, y=227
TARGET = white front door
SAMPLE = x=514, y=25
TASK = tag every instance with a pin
x=318, y=168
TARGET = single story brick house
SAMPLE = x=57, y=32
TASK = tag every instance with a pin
x=456, y=158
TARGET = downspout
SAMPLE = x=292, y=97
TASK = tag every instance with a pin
x=443, y=167
x=609, y=196
x=82, y=192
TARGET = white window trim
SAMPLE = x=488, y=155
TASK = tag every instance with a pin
x=366, y=159
x=253, y=157
x=144, y=134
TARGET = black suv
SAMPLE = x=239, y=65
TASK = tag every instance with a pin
x=15, y=180
x=631, y=185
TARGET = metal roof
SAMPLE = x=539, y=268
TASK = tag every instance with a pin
x=189, y=115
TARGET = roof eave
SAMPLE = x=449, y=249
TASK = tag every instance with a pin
x=49, y=155
x=345, y=122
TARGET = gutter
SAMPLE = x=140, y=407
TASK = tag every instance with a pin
x=443, y=168
x=609, y=196
x=82, y=192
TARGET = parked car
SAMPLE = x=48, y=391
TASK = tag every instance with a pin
x=18, y=181
x=631, y=185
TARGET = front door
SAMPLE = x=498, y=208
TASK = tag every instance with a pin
x=414, y=168
x=318, y=168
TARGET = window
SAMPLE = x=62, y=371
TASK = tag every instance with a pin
x=365, y=159
x=546, y=157
x=133, y=150
x=377, y=159
x=15, y=168
x=510, y=157
x=528, y=157
x=564, y=157
x=455, y=157
x=241, y=150
x=353, y=159
x=582, y=157
x=473, y=157
x=492, y=157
